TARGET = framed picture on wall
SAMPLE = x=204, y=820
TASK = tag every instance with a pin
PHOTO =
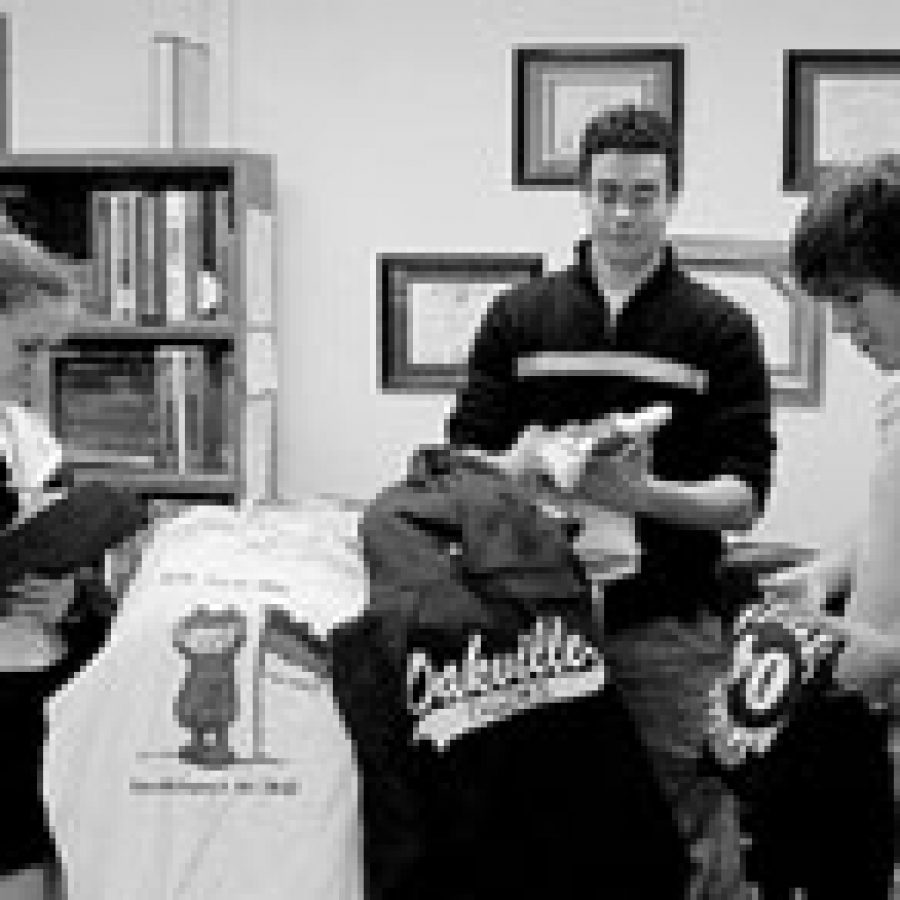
x=840, y=106
x=755, y=275
x=558, y=89
x=429, y=307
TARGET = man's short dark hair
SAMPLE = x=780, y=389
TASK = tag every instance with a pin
x=628, y=129
x=850, y=230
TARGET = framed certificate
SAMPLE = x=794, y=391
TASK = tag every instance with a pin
x=755, y=275
x=840, y=107
x=558, y=89
x=430, y=306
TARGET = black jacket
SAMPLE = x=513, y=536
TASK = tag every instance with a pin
x=556, y=800
x=457, y=545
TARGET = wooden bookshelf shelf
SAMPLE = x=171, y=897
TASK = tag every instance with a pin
x=171, y=355
x=193, y=332
x=160, y=484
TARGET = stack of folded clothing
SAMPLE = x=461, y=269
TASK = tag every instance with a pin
x=497, y=760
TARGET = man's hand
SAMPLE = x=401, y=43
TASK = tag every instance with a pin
x=801, y=586
x=617, y=481
x=870, y=664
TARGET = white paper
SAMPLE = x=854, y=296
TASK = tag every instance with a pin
x=136, y=815
x=570, y=101
x=857, y=116
x=31, y=451
x=443, y=318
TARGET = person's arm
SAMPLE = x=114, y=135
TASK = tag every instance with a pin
x=490, y=408
x=414, y=582
x=85, y=628
x=724, y=503
x=820, y=584
x=734, y=444
x=27, y=265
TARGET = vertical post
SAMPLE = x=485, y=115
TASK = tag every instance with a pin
x=258, y=701
x=180, y=95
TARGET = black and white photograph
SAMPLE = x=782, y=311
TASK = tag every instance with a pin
x=450, y=451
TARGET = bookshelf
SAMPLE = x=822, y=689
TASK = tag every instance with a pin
x=166, y=380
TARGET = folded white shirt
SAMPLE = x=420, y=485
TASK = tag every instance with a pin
x=136, y=815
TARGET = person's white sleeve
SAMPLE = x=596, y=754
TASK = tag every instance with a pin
x=31, y=451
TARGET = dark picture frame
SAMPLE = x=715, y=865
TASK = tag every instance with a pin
x=429, y=305
x=837, y=110
x=755, y=274
x=557, y=88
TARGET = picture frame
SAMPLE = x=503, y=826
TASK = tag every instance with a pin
x=429, y=306
x=755, y=274
x=840, y=106
x=557, y=88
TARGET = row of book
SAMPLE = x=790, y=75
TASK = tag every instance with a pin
x=162, y=408
x=160, y=256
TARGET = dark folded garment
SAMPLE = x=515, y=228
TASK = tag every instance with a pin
x=73, y=532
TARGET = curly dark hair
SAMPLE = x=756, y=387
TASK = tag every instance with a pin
x=850, y=230
x=630, y=129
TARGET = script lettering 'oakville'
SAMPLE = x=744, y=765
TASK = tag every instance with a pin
x=548, y=665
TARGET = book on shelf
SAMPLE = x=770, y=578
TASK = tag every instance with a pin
x=160, y=256
x=192, y=420
x=162, y=408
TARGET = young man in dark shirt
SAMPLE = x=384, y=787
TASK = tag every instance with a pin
x=645, y=333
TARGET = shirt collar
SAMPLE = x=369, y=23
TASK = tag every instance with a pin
x=602, y=276
x=658, y=271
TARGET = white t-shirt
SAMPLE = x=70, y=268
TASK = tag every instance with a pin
x=198, y=756
x=876, y=599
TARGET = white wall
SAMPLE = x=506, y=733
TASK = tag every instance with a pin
x=391, y=126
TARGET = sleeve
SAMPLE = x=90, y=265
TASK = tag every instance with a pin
x=415, y=583
x=84, y=630
x=737, y=432
x=490, y=408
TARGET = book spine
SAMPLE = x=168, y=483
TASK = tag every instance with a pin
x=101, y=239
x=160, y=259
x=176, y=256
x=223, y=235
x=168, y=455
x=115, y=255
x=194, y=404
x=145, y=282
x=179, y=394
x=231, y=416
x=126, y=293
x=214, y=414
x=140, y=259
x=193, y=253
x=208, y=288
